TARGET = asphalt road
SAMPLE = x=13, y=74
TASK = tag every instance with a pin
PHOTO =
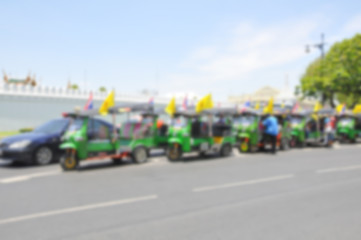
x=299, y=194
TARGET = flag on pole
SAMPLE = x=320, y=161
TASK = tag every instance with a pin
x=171, y=107
x=89, y=103
x=317, y=107
x=295, y=107
x=107, y=103
x=185, y=103
x=341, y=108
x=357, y=109
x=269, y=107
x=204, y=103
x=257, y=107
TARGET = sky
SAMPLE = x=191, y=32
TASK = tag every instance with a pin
x=224, y=47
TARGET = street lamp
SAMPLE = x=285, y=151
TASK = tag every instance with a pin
x=320, y=46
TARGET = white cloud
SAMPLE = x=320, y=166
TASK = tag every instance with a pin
x=247, y=49
x=251, y=56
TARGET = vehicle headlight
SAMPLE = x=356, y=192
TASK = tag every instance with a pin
x=20, y=144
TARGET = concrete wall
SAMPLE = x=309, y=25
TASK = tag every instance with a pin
x=26, y=106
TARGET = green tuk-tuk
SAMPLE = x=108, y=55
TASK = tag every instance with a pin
x=250, y=137
x=247, y=127
x=206, y=132
x=138, y=137
x=298, y=128
x=316, y=131
x=284, y=130
x=348, y=127
x=87, y=138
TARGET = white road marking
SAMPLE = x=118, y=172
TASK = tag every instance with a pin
x=339, y=169
x=28, y=177
x=243, y=183
x=77, y=209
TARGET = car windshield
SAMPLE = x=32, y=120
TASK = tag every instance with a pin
x=244, y=120
x=52, y=127
x=76, y=124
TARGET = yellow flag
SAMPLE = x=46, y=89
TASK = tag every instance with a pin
x=269, y=107
x=107, y=103
x=357, y=109
x=318, y=107
x=171, y=107
x=257, y=106
x=204, y=103
x=339, y=108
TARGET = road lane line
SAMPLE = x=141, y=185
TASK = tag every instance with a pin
x=77, y=209
x=243, y=183
x=28, y=177
x=339, y=169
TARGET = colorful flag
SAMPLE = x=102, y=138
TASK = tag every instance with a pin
x=171, y=107
x=318, y=106
x=89, y=103
x=257, y=107
x=204, y=103
x=107, y=103
x=295, y=107
x=341, y=108
x=269, y=107
x=357, y=109
x=185, y=103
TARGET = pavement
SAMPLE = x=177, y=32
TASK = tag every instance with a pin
x=311, y=193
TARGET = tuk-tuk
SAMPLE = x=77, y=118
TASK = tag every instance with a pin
x=207, y=132
x=298, y=128
x=316, y=132
x=348, y=127
x=248, y=133
x=87, y=138
x=284, y=130
x=138, y=137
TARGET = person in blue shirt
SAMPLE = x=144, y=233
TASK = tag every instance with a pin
x=271, y=130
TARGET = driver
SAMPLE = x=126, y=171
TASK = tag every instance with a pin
x=271, y=130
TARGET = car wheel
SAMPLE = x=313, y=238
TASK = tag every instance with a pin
x=140, y=155
x=43, y=155
x=69, y=162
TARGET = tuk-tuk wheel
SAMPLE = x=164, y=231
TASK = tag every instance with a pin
x=244, y=146
x=140, y=155
x=226, y=150
x=174, y=152
x=69, y=162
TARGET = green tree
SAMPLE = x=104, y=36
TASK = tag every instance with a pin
x=337, y=76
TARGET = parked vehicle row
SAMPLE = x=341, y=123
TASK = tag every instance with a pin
x=85, y=135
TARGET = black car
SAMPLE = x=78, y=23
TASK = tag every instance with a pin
x=40, y=146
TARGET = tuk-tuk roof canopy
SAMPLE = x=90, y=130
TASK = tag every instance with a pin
x=326, y=111
x=221, y=111
x=82, y=113
x=146, y=108
x=249, y=111
x=187, y=113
